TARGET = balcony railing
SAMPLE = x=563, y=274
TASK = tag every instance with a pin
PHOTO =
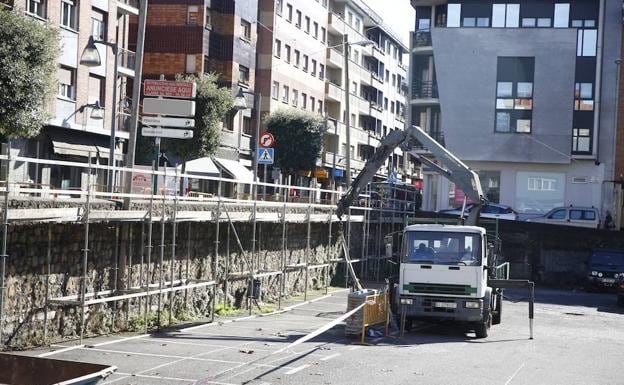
x=425, y=90
x=127, y=59
x=422, y=39
x=131, y=3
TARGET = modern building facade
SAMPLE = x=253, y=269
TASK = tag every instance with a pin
x=77, y=128
x=220, y=36
x=525, y=93
x=301, y=65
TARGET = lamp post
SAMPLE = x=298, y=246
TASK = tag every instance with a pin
x=91, y=58
x=240, y=103
x=346, y=53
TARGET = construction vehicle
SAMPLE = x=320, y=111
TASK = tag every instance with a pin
x=446, y=272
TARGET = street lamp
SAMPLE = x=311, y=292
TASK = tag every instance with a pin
x=91, y=58
x=240, y=103
x=347, y=45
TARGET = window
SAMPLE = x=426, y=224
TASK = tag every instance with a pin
x=350, y=17
x=305, y=63
x=312, y=102
x=208, y=19
x=541, y=184
x=307, y=25
x=357, y=25
x=529, y=22
x=298, y=24
x=320, y=107
x=313, y=67
x=304, y=100
x=247, y=125
x=67, y=83
x=192, y=15
x=297, y=57
x=586, y=45
x=321, y=71
x=393, y=80
x=287, y=49
x=387, y=75
x=243, y=75
x=453, y=15
x=98, y=25
x=190, y=64
x=562, y=15
x=279, y=6
x=323, y=34
x=278, y=48
x=315, y=30
x=354, y=88
x=246, y=30
x=386, y=104
x=505, y=15
x=514, y=94
x=295, y=97
x=37, y=8
x=392, y=107
x=289, y=12
x=68, y=14
x=581, y=141
x=583, y=97
x=558, y=214
x=544, y=22
x=275, y=90
x=285, y=96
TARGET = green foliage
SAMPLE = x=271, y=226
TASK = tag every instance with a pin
x=212, y=104
x=28, y=57
x=225, y=310
x=298, y=138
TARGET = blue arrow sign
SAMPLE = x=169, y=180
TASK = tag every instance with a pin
x=266, y=156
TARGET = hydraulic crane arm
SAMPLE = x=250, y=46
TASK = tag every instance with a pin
x=452, y=168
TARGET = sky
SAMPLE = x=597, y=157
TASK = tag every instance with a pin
x=398, y=14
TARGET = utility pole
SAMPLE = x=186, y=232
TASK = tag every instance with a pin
x=347, y=119
x=136, y=96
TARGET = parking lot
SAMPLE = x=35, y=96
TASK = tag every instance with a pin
x=579, y=339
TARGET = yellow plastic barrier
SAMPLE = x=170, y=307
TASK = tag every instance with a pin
x=375, y=311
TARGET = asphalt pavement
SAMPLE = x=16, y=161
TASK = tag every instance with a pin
x=579, y=339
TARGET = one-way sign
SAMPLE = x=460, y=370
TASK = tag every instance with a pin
x=266, y=156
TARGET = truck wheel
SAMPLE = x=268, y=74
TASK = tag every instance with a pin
x=496, y=315
x=482, y=328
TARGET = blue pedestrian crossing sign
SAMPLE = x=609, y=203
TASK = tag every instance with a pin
x=266, y=156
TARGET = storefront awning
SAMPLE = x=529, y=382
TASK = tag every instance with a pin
x=235, y=169
x=203, y=166
x=77, y=143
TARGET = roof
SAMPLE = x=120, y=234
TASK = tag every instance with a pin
x=446, y=228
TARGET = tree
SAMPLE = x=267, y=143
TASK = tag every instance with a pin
x=212, y=104
x=298, y=139
x=28, y=59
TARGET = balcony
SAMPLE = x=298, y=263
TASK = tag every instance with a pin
x=437, y=135
x=334, y=91
x=377, y=81
x=336, y=24
x=421, y=41
x=376, y=110
x=128, y=7
x=334, y=58
x=126, y=62
x=425, y=93
x=378, y=53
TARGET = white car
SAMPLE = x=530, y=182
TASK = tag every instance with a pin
x=571, y=216
x=491, y=210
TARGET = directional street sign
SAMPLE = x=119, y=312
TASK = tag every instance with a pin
x=158, y=121
x=173, y=107
x=266, y=156
x=266, y=139
x=168, y=89
x=167, y=133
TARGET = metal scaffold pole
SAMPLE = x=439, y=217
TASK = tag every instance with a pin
x=130, y=268
x=173, y=245
x=115, y=274
x=161, y=259
x=283, y=255
x=253, y=252
x=85, y=256
x=307, y=253
x=47, y=284
x=215, y=266
x=227, y=269
x=187, y=262
x=329, y=248
x=5, y=233
x=150, y=225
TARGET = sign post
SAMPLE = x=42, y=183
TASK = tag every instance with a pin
x=266, y=154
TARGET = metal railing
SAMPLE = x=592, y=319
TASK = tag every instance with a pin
x=425, y=89
x=131, y=3
x=422, y=39
x=127, y=59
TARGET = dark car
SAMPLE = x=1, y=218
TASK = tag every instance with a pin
x=620, y=291
x=605, y=269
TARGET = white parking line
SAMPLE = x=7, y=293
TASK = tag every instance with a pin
x=60, y=351
x=122, y=340
x=515, y=374
x=154, y=377
x=297, y=369
x=330, y=357
x=355, y=347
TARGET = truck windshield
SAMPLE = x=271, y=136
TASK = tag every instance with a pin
x=442, y=248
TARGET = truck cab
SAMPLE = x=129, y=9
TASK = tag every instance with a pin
x=443, y=275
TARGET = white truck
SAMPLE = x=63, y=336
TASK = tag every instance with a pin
x=445, y=272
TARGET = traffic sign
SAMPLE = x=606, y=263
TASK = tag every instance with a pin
x=266, y=156
x=167, y=133
x=155, y=121
x=267, y=139
x=173, y=107
x=168, y=89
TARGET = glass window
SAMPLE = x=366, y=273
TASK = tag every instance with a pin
x=498, y=15
x=243, y=74
x=68, y=14
x=543, y=22
x=67, y=83
x=192, y=15
x=587, y=42
x=562, y=15
x=442, y=248
x=246, y=29
x=279, y=6
x=98, y=26
x=304, y=100
x=558, y=214
x=576, y=214
x=287, y=51
x=529, y=22
x=483, y=22
x=589, y=215
x=504, y=89
x=289, y=12
x=581, y=140
x=577, y=23
x=523, y=125
x=299, y=15
x=275, y=90
x=278, y=48
x=190, y=64
x=469, y=22
x=523, y=104
x=505, y=104
x=323, y=34
x=297, y=57
x=513, y=16
x=37, y=7
x=453, y=15
x=307, y=24
x=247, y=125
x=305, y=63
x=315, y=30
x=503, y=120
x=286, y=94
x=295, y=97
x=525, y=90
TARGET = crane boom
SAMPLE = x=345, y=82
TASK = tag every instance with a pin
x=452, y=168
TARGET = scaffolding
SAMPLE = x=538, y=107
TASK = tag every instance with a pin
x=180, y=212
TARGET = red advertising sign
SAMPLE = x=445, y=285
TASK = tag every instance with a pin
x=169, y=89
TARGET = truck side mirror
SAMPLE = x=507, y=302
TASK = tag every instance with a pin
x=388, y=243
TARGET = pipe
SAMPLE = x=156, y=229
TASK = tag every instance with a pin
x=5, y=232
x=598, y=102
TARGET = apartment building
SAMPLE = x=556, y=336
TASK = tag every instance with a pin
x=522, y=92
x=376, y=85
x=82, y=112
x=217, y=36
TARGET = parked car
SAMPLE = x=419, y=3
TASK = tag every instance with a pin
x=620, y=291
x=571, y=216
x=605, y=269
x=491, y=210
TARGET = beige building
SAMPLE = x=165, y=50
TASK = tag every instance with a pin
x=77, y=128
